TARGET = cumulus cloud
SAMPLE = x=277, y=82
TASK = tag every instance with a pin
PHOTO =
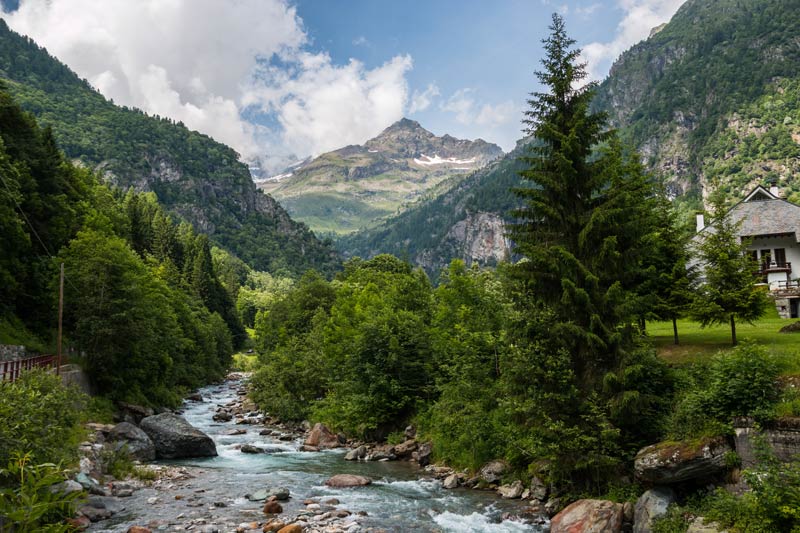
x=468, y=111
x=204, y=62
x=640, y=17
x=420, y=101
x=323, y=107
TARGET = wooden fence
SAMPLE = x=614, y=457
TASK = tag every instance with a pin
x=11, y=370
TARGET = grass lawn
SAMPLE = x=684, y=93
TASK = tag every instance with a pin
x=698, y=343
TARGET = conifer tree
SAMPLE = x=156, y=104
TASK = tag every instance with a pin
x=728, y=283
x=587, y=216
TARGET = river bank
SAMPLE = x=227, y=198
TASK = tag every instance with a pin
x=210, y=494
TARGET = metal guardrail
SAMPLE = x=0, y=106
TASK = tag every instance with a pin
x=11, y=370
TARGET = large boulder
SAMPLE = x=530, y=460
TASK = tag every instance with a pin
x=670, y=462
x=588, y=516
x=493, y=471
x=650, y=505
x=348, y=480
x=321, y=437
x=175, y=438
x=134, y=440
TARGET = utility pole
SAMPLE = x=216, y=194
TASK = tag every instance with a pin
x=60, y=313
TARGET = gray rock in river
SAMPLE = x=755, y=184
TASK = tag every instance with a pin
x=136, y=441
x=175, y=438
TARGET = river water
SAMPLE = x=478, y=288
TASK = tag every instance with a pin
x=399, y=499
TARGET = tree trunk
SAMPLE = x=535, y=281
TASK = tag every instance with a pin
x=675, y=329
x=733, y=331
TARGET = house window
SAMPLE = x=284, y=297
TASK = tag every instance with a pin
x=780, y=256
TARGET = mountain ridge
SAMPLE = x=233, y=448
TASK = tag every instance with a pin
x=358, y=185
x=198, y=179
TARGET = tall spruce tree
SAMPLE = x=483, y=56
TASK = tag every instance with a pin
x=585, y=225
x=728, y=290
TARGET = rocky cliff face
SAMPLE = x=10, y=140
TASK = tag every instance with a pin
x=358, y=186
x=673, y=95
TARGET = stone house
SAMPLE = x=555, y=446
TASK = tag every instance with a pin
x=771, y=225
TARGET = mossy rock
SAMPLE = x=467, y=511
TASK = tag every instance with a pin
x=794, y=327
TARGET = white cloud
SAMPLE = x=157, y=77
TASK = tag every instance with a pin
x=323, y=107
x=586, y=11
x=203, y=62
x=360, y=41
x=468, y=111
x=640, y=17
x=420, y=101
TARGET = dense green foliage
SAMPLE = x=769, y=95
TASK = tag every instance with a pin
x=676, y=92
x=737, y=383
x=28, y=501
x=195, y=177
x=143, y=301
x=40, y=418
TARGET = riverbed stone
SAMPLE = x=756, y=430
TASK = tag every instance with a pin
x=512, y=491
x=405, y=449
x=175, y=438
x=348, y=480
x=450, y=482
x=272, y=507
x=137, y=443
x=423, y=454
x=356, y=454
x=493, y=471
x=538, y=489
x=292, y=528
x=322, y=437
x=249, y=448
x=588, y=516
x=667, y=463
x=650, y=505
x=222, y=416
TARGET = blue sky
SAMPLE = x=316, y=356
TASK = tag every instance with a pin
x=286, y=79
x=488, y=49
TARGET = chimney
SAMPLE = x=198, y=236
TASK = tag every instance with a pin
x=701, y=223
x=774, y=191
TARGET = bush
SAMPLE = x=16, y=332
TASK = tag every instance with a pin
x=741, y=382
x=41, y=418
x=27, y=500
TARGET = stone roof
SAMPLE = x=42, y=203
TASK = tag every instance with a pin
x=767, y=217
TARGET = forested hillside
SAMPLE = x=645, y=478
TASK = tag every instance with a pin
x=145, y=311
x=200, y=180
x=711, y=96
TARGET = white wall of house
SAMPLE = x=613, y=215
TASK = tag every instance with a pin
x=792, y=250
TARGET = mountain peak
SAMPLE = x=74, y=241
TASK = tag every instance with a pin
x=405, y=123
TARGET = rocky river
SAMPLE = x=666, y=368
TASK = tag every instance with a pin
x=210, y=494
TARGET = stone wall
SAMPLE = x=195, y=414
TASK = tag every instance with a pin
x=783, y=437
x=10, y=352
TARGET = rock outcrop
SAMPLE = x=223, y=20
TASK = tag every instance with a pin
x=176, y=438
x=669, y=462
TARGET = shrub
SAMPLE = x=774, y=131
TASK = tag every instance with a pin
x=41, y=417
x=28, y=501
x=741, y=382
